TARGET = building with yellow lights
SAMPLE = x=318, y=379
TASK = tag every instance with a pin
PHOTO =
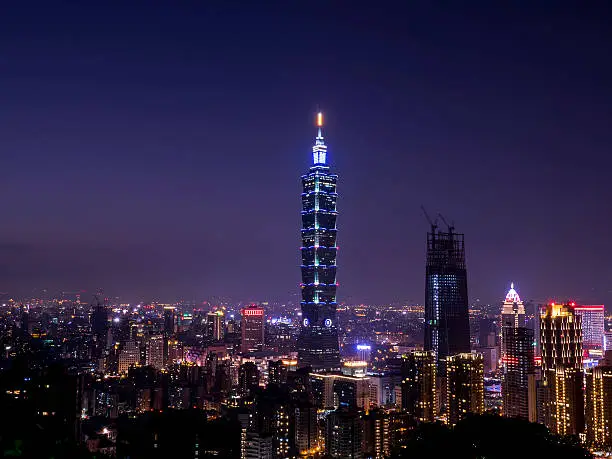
x=599, y=406
x=465, y=386
x=563, y=395
x=155, y=351
x=129, y=356
x=419, y=385
x=215, y=325
x=377, y=434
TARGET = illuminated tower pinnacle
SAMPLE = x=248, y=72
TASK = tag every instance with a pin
x=318, y=341
x=513, y=310
x=319, y=149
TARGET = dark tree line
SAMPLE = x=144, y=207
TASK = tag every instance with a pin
x=491, y=437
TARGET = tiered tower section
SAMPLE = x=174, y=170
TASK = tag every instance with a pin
x=318, y=342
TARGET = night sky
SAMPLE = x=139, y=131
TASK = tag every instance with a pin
x=156, y=151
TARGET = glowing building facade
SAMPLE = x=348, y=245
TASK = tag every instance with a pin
x=377, y=434
x=129, y=356
x=563, y=395
x=447, y=327
x=592, y=325
x=599, y=406
x=465, y=386
x=252, y=329
x=318, y=341
x=214, y=325
x=513, y=310
x=517, y=357
x=155, y=352
x=419, y=385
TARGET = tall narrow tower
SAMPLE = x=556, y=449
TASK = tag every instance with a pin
x=447, y=326
x=318, y=341
x=517, y=357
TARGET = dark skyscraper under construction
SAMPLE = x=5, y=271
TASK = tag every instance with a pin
x=318, y=341
x=447, y=328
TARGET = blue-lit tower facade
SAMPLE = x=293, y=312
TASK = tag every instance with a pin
x=447, y=326
x=318, y=341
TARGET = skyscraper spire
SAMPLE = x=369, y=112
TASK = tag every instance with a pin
x=319, y=149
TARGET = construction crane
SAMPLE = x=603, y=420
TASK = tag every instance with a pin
x=450, y=227
x=434, y=223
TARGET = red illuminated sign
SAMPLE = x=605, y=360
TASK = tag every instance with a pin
x=252, y=312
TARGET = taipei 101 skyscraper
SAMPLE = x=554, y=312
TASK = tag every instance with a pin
x=318, y=341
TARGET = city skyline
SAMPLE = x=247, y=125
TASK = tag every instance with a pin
x=170, y=247
x=123, y=174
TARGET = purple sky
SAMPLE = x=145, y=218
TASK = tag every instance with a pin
x=156, y=151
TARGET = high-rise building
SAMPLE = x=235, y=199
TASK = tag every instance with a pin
x=593, y=327
x=129, y=356
x=562, y=386
x=169, y=320
x=252, y=328
x=306, y=430
x=377, y=434
x=517, y=357
x=419, y=385
x=318, y=341
x=385, y=389
x=465, y=386
x=607, y=341
x=518, y=366
x=487, y=332
x=99, y=327
x=99, y=321
x=332, y=390
x=175, y=350
x=277, y=372
x=272, y=411
x=599, y=406
x=258, y=446
x=447, y=326
x=344, y=434
x=214, y=325
x=155, y=352
x=100, y=331
x=248, y=378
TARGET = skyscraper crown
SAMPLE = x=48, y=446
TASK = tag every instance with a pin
x=512, y=296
